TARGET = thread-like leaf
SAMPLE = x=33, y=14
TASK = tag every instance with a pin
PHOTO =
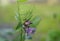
x=28, y=15
x=19, y=25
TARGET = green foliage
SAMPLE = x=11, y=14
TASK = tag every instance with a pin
x=26, y=16
x=20, y=36
x=44, y=11
x=54, y=35
x=35, y=21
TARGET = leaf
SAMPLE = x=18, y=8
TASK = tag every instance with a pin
x=18, y=25
x=35, y=21
x=28, y=15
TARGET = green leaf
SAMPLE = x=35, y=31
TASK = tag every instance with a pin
x=18, y=25
x=35, y=21
x=28, y=15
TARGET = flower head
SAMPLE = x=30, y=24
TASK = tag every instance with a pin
x=30, y=30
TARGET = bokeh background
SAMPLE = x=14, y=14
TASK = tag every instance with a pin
x=48, y=10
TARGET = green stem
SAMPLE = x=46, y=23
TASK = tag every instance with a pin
x=21, y=35
x=20, y=21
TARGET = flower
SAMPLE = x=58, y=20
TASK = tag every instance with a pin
x=28, y=22
x=30, y=30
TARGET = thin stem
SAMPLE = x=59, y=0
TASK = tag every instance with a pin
x=20, y=21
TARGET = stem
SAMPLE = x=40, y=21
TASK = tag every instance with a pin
x=20, y=21
x=21, y=35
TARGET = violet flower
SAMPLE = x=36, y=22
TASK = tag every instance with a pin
x=29, y=32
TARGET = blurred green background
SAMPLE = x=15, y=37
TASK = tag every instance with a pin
x=49, y=14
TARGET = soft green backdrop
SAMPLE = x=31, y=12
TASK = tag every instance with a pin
x=48, y=22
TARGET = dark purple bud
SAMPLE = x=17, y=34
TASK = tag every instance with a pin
x=28, y=22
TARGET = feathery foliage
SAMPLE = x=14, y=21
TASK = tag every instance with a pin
x=21, y=19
